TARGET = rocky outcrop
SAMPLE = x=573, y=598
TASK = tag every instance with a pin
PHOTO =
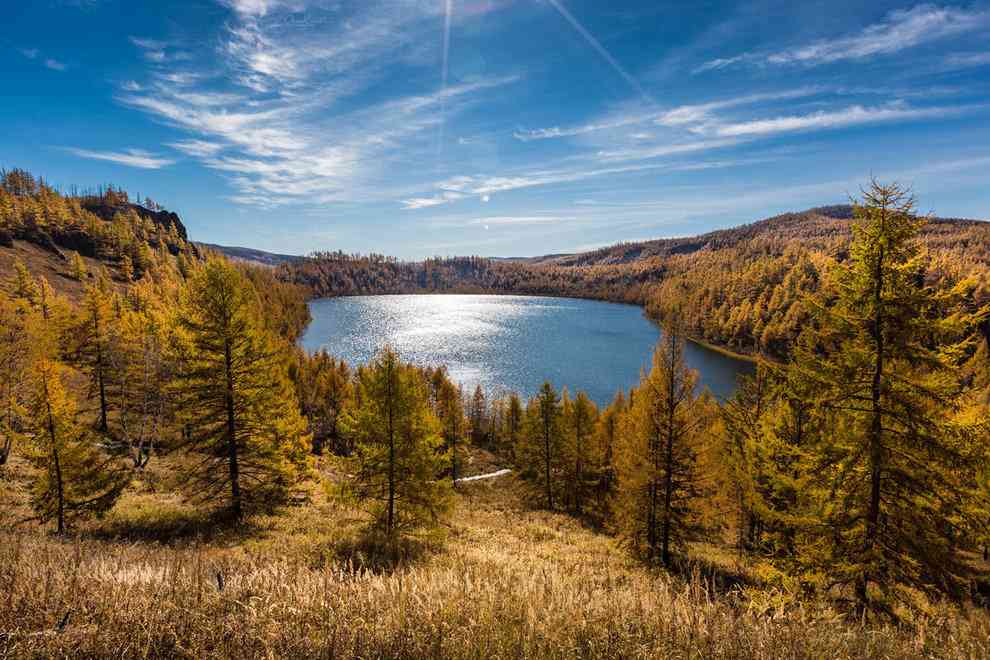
x=161, y=218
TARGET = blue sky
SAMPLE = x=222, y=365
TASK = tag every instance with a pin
x=496, y=127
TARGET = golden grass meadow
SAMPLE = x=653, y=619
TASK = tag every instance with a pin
x=501, y=580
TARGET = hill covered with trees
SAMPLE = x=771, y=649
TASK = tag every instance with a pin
x=737, y=288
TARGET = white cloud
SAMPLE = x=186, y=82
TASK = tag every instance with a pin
x=558, y=132
x=199, y=148
x=147, y=44
x=851, y=116
x=54, y=64
x=693, y=114
x=900, y=30
x=436, y=200
x=252, y=7
x=663, y=150
x=719, y=63
x=464, y=186
x=967, y=60
x=181, y=77
x=130, y=157
x=677, y=116
x=30, y=53
x=519, y=220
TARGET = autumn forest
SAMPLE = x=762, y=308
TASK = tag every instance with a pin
x=179, y=477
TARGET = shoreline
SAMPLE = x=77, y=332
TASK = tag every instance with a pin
x=741, y=357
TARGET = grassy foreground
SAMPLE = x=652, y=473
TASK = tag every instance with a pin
x=157, y=579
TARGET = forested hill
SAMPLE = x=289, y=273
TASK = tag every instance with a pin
x=737, y=288
x=823, y=228
x=75, y=242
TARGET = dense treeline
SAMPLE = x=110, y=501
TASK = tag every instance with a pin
x=330, y=274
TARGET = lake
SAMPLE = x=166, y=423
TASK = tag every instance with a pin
x=509, y=343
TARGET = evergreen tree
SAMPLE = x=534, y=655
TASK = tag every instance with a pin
x=579, y=418
x=78, y=266
x=450, y=410
x=514, y=424
x=544, y=439
x=399, y=447
x=92, y=337
x=891, y=468
x=658, y=481
x=127, y=268
x=24, y=286
x=742, y=417
x=14, y=373
x=479, y=417
x=241, y=415
x=142, y=372
x=606, y=434
x=72, y=478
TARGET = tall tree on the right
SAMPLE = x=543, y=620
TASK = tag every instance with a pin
x=892, y=471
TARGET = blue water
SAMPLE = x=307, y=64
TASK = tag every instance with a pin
x=509, y=343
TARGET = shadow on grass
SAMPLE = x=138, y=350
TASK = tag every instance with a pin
x=169, y=526
x=718, y=577
x=373, y=550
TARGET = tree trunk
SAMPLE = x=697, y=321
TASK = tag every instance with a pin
x=99, y=376
x=546, y=456
x=235, y=486
x=669, y=467
x=390, y=522
x=667, y=495
x=56, y=463
x=876, y=430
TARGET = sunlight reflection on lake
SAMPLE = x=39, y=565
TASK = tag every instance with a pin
x=508, y=343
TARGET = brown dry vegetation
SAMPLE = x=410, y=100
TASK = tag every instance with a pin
x=157, y=578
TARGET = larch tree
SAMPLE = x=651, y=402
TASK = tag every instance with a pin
x=14, y=373
x=450, y=410
x=513, y=424
x=579, y=417
x=607, y=430
x=23, y=285
x=78, y=267
x=479, y=417
x=658, y=488
x=242, y=421
x=544, y=439
x=72, y=478
x=91, y=336
x=399, y=457
x=141, y=373
x=742, y=423
x=891, y=468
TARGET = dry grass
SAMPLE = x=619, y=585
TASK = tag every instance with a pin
x=506, y=582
